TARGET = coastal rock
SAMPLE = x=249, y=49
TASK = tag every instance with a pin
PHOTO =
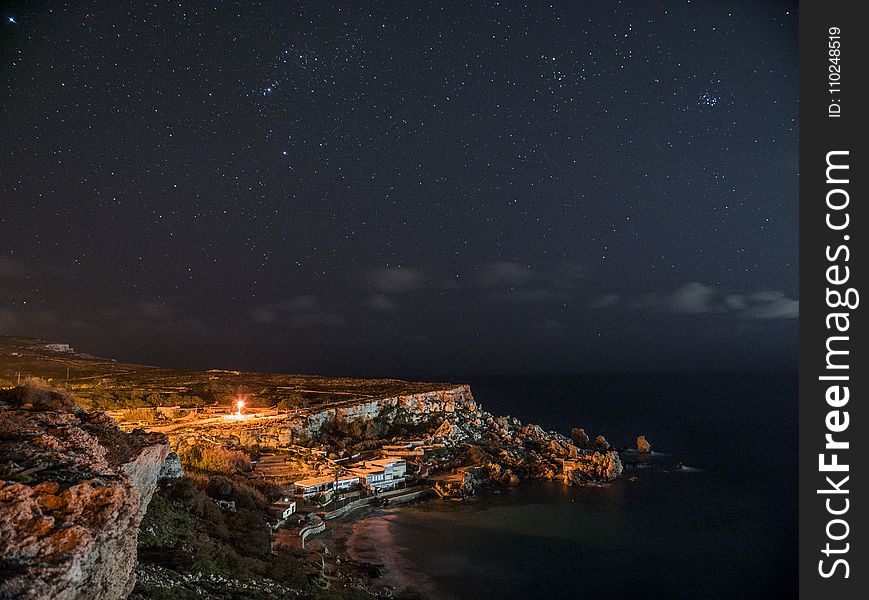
x=643, y=446
x=533, y=432
x=307, y=428
x=416, y=408
x=595, y=466
x=559, y=449
x=601, y=444
x=580, y=437
x=73, y=492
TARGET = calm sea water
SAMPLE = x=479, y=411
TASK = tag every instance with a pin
x=726, y=530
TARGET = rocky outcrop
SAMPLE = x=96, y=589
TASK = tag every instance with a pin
x=509, y=451
x=601, y=444
x=643, y=446
x=306, y=428
x=171, y=468
x=594, y=467
x=416, y=408
x=73, y=489
x=580, y=437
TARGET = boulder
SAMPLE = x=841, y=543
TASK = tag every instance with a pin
x=557, y=449
x=595, y=467
x=171, y=468
x=643, y=446
x=579, y=437
x=601, y=444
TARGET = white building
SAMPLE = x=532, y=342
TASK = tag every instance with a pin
x=58, y=347
x=326, y=483
x=282, y=509
x=382, y=473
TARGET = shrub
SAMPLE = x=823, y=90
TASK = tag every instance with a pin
x=213, y=459
x=145, y=415
x=40, y=395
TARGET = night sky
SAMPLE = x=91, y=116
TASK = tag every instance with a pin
x=402, y=188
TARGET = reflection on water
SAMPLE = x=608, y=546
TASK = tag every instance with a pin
x=727, y=529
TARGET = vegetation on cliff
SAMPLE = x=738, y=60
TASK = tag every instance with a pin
x=190, y=547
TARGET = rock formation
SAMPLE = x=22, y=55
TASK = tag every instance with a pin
x=73, y=489
x=171, y=468
x=643, y=446
x=601, y=444
x=579, y=437
x=306, y=428
x=594, y=467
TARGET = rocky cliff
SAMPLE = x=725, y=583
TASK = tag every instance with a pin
x=73, y=489
x=509, y=451
x=411, y=408
x=307, y=426
x=450, y=417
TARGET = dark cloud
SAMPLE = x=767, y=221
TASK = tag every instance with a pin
x=396, y=279
x=604, y=300
x=11, y=268
x=9, y=321
x=380, y=302
x=303, y=302
x=505, y=274
x=314, y=320
x=272, y=312
x=526, y=296
x=155, y=311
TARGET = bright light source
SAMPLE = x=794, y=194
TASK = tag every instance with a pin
x=239, y=405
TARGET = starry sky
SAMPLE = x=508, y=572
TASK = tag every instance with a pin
x=403, y=188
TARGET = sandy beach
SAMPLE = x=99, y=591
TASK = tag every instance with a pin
x=368, y=539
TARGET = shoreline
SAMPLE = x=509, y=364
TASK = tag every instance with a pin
x=362, y=550
x=363, y=542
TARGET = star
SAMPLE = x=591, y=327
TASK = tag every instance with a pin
x=708, y=99
x=12, y=20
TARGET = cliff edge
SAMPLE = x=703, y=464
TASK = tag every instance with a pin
x=73, y=489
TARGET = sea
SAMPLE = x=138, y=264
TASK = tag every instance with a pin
x=725, y=526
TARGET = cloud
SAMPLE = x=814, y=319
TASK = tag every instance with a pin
x=771, y=305
x=302, y=302
x=11, y=268
x=605, y=300
x=154, y=311
x=525, y=296
x=314, y=320
x=270, y=313
x=527, y=284
x=264, y=315
x=8, y=320
x=396, y=279
x=694, y=298
x=697, y=298
x=381, y=303
x=505, y=274
x=300, y=312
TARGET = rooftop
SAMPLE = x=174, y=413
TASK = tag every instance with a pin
x=385, y=462
x=312, y=481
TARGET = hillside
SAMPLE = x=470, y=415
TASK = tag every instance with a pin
x=100, y=383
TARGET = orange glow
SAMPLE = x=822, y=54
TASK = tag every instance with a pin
x=239, y=405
